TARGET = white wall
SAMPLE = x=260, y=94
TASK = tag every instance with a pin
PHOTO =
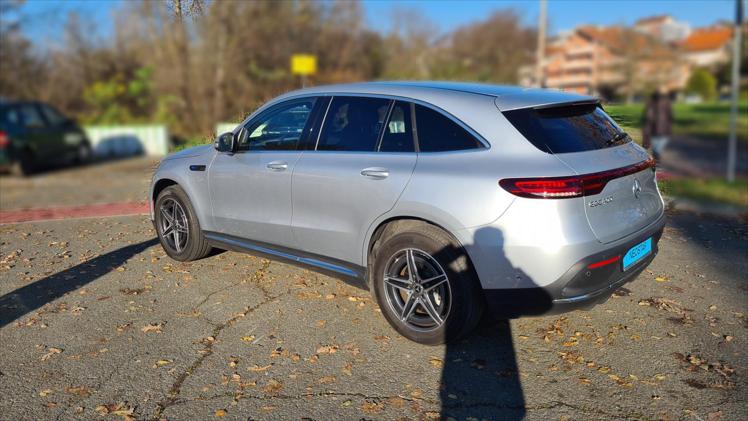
x=128, y=140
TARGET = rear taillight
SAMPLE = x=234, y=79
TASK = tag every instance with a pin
x=4, y=140
x=568, y=187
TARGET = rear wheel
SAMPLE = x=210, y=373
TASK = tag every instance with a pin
x=177, y=226
x=25, y=164
x=425, y=285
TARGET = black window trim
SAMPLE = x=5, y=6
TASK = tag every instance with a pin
x=485, y=145
x=384, y=127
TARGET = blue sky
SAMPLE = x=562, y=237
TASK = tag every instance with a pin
x=45, y=18
x=562, y=14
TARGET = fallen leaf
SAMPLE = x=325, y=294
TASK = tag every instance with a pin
x=327, y=349
x=347, y=369
x=50, y=352
x=273, y=386
x=372, y=407
x=220, y=412
x=80, y=391
x=436, y=362
x=152, y=328
x=327, y=380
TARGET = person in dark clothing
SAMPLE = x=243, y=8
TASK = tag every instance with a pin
x=658, y=122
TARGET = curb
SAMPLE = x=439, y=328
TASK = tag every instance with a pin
x=74, y=212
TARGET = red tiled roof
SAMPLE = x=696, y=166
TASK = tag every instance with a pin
x=652, y=19
x=707, y=38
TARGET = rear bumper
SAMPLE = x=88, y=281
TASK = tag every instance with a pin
x=580, y=286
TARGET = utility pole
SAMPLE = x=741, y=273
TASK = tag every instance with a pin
x=733, y=140
x=540, y=53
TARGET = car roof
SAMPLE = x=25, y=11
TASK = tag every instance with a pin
x=506, y=97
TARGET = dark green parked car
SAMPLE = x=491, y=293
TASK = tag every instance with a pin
x=34, y=134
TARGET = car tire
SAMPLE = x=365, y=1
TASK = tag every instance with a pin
x=177, y=226
x=457, y=301
x=83, y=154
x=24, y=165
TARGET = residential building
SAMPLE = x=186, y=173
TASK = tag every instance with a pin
x=708, y=47
x=616, y=61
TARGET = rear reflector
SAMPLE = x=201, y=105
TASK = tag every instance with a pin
x=4, y=140
x=568, y=187
x=604, y=262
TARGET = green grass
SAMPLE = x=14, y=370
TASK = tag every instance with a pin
x=708, y=120
x=710, y=190
x=190, y=142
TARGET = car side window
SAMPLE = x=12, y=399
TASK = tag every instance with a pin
x=353, y=124
x=54, y=118
x=280, y=129
x=30, y=116
x=438, y=133
x=398, y=132
x=10, y=116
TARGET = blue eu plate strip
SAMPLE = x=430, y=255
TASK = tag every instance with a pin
x=637, y=253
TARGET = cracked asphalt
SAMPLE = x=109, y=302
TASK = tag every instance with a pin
x=96, y=322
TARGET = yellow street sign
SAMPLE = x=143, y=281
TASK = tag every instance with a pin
x=303, y=64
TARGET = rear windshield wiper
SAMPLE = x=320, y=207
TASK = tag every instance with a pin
x=617, y=138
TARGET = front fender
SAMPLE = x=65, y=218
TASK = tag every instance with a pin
x=194, y=183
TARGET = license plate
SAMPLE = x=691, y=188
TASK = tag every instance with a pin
x=637, y=253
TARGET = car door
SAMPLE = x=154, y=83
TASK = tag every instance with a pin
x=64, y=136
x=359, y=168
x=251, y=189
x=36, y=135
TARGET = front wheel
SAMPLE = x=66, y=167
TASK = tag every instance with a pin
x=425, y=285
x=177, y=226
x=83, y=154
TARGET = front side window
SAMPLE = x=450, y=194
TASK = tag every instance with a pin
x=54, y=118
x=398, y=133
x=280, y=129
x=31, y=117
x=438, y=133
x=353, y=124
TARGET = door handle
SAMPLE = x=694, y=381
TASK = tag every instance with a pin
x=376, y=173
x=278, y=165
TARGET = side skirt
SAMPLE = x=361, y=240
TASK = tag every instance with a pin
x=348, y=272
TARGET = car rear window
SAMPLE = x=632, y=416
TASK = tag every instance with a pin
x=571, y=128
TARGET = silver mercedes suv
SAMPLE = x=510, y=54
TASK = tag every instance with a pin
x=443, y=199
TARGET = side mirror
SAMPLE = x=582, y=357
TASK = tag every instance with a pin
x=225, y=143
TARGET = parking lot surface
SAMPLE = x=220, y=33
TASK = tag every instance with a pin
x=96, y=322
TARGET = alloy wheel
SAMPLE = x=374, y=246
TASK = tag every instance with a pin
x=174, y=226
x=417, y=289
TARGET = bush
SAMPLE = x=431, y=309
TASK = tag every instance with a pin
x=703, y=84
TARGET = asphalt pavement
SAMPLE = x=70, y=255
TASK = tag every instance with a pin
x=96, y=322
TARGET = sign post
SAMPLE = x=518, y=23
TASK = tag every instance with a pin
x=303, y=65
x=732, y=142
